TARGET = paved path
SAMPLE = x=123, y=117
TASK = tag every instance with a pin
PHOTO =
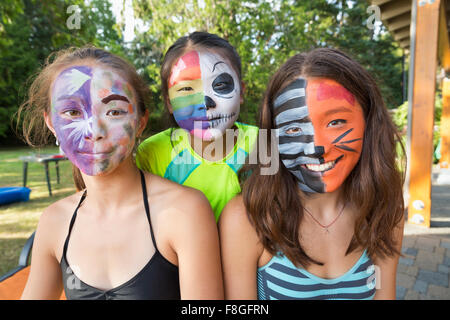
x=423, y=271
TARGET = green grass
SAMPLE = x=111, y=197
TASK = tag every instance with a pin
x=19, y=220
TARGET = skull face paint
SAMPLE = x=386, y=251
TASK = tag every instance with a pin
x=94, y=116
x=204, y=91
x=321, y=128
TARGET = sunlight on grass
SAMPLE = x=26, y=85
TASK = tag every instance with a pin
x=19, y=220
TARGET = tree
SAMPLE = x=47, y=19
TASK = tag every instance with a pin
x=35, y=30
x=265, y=35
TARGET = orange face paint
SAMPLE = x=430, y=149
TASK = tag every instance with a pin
x=339, y=125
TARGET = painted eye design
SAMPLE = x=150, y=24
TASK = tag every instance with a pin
x=223, y=84
x=336, y=122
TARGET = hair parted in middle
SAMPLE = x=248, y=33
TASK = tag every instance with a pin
x=374, y=186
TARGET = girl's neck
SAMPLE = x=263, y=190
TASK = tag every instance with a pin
x=106, y=193
x=216, y=149
x=323, y=205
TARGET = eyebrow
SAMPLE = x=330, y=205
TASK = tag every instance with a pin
x=337, y=110
x=112, y=97
x=216, y=65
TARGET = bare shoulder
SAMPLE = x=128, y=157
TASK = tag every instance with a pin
x=175, y=205
x=234, y=215
x=62, y=210
x=235, y=223
x=54, y=222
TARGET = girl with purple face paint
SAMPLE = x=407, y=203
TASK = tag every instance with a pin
x=202, y=89
x=112, y=240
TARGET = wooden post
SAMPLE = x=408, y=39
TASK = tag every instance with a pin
x=444, y=58
x=445, y=125
x=422, y=122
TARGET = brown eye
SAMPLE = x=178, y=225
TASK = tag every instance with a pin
x=293, y=130
x=115, y=113
x=336, y=122
x=72, y=113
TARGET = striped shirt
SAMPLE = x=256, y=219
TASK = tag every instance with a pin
x=280, y=279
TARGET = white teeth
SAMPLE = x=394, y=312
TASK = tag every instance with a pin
x=320, y=167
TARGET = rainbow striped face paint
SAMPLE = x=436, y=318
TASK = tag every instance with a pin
x=94, y=116
x=204, y=91
x=321, y=128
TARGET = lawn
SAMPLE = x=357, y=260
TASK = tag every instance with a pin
x=19, y=220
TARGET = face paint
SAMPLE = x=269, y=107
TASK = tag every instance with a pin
x=204, y=92
x=94, y=117
x=321, y=127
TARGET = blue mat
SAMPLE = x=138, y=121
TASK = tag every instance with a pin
x=14, y=194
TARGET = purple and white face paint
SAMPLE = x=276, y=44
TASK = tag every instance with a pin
x=94, y=116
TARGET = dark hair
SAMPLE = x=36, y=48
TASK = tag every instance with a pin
x=196, y=40
x=374, y=186
x=31, y=112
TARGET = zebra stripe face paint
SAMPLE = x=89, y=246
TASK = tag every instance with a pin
x=204, y=92
x=321, y=128
x=94, y=117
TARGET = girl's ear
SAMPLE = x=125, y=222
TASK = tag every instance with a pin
x=48, y=122
x=242, y=92
x=142, y=123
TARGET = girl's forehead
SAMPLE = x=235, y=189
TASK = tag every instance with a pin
x=324, y=90
x=75, y=76
x=205, y=57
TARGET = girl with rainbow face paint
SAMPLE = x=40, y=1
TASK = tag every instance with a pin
x=204, y=93
x=94, y=117
x=124, y=234
x=202, y=89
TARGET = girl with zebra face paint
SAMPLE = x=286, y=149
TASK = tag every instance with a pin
x=320, y=127
x=315, y=228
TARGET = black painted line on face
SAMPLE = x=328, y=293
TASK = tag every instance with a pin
x=299, y=83
x=342, y=135
x=290, y=104
x=299, y=139
x=214, y=67
x=346, y=148
x=303, y=120
x=349, y=141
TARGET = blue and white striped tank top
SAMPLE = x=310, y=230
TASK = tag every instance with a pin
x=280, y=279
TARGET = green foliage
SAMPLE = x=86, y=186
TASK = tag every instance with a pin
x=34, y=30
x=400, y=119
x=265, y=35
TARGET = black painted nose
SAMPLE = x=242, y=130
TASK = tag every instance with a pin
x=318, y=152
x=209, y=103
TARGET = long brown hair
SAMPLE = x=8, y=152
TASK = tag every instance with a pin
x=31, y=113
x=374, y=186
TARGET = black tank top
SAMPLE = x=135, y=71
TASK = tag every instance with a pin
x=157, y=280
